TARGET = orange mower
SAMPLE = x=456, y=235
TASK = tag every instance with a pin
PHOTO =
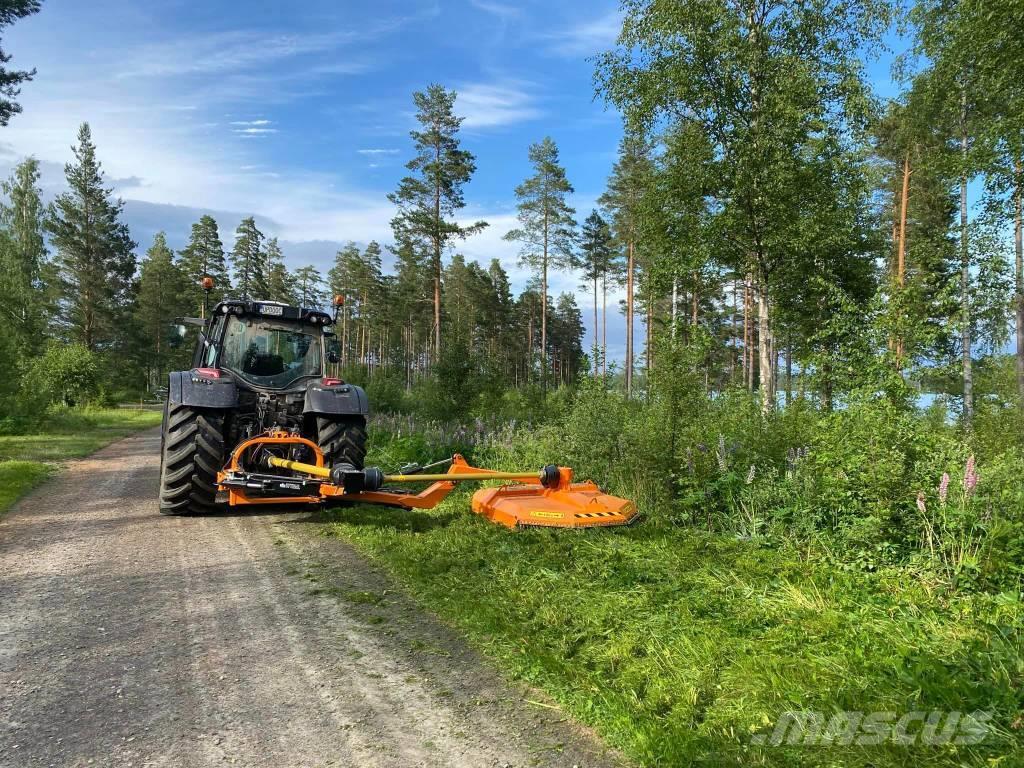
x=260, y=472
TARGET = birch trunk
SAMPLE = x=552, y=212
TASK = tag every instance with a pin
x=901, y=248
x=764, y=349
x=1019, y=249
x=965, y=272
x=629, y=321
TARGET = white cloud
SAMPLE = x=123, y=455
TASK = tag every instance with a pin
x=586, y=38
x=490, y=105
x=225, y=52
x=377, y=151
x=500, y=10
x=251, y=122
x=255, y=131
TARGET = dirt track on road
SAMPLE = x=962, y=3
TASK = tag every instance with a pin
x=129, y=638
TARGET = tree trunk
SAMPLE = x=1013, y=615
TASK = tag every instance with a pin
x=544, y=323
x=901, y=249
x=629, y=321
x=789, y=371
x=748, y=338
x=529, y=349
x=1019, y=249
x=675, y=303
x=649, y=338
x=734, y=329
x=764, y=347
x=695, y=305
x=437, y=303
x=596, y=354
x=965, y=272
x=604, y=326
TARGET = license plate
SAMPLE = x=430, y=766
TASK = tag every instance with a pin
x=271, y=309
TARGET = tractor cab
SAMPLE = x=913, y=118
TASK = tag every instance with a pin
x=268, y=345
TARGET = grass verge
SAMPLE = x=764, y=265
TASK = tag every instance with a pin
x=680, y=646
x=27, y=460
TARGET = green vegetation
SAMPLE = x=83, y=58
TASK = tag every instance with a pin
x=683, y=636
x=803, y=259
x=18, y=478
x=28, y=459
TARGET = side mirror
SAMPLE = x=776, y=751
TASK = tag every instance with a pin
x=333, y=349
x=176, y=336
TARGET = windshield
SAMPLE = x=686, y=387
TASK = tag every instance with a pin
x=270, y=354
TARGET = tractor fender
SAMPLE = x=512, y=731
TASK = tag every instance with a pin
x=344, y=399
x=197, y=391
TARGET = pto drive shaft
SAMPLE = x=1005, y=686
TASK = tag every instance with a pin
x=371, y=478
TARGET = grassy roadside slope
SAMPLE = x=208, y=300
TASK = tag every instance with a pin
x=678, y=646
x=27, y=460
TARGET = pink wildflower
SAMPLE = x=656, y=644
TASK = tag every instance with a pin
x=922, y=507
x=970, y=476
x=944, y=488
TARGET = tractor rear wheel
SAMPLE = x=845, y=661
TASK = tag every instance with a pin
x=192, y=454
x=342, y=439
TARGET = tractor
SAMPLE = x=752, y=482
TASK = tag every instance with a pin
x=259, y=419
x=258, y=367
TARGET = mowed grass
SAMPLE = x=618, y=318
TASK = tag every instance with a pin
x=27, y=460
x=678, y=646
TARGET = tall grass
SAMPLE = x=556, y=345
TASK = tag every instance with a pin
x=681, y=637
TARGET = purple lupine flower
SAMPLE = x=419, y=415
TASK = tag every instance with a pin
x=944, y=488
x=921, y=505
x=970, y=476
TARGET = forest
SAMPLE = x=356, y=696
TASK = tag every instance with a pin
x=823, y=292
x=820, y=285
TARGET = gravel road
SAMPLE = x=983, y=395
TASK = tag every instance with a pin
x=129, y=638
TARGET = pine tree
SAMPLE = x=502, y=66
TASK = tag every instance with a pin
x=310, y=287
x=412, y=293
x=547, y=226
x=624, y=198
x=163, y=295
x=93, y=250
x=22, y=257
x=204, y=257
x=596, y=255
x=280, y=284
x=249, y=261
x=567, y=338
x=11, y=79
x=428, y=199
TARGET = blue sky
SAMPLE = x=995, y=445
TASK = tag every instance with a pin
x=299, y=113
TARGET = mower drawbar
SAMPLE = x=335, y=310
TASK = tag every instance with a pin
x=547, y=498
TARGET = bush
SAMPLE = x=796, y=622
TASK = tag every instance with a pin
x=65, y=374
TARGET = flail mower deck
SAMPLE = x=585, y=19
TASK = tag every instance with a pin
x=261, y=471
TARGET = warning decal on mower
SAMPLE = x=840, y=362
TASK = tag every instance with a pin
x=546, y=514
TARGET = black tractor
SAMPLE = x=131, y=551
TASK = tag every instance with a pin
x=257, y=366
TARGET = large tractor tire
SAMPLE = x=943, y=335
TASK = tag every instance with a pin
x=342, y=439
x=192, y=453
